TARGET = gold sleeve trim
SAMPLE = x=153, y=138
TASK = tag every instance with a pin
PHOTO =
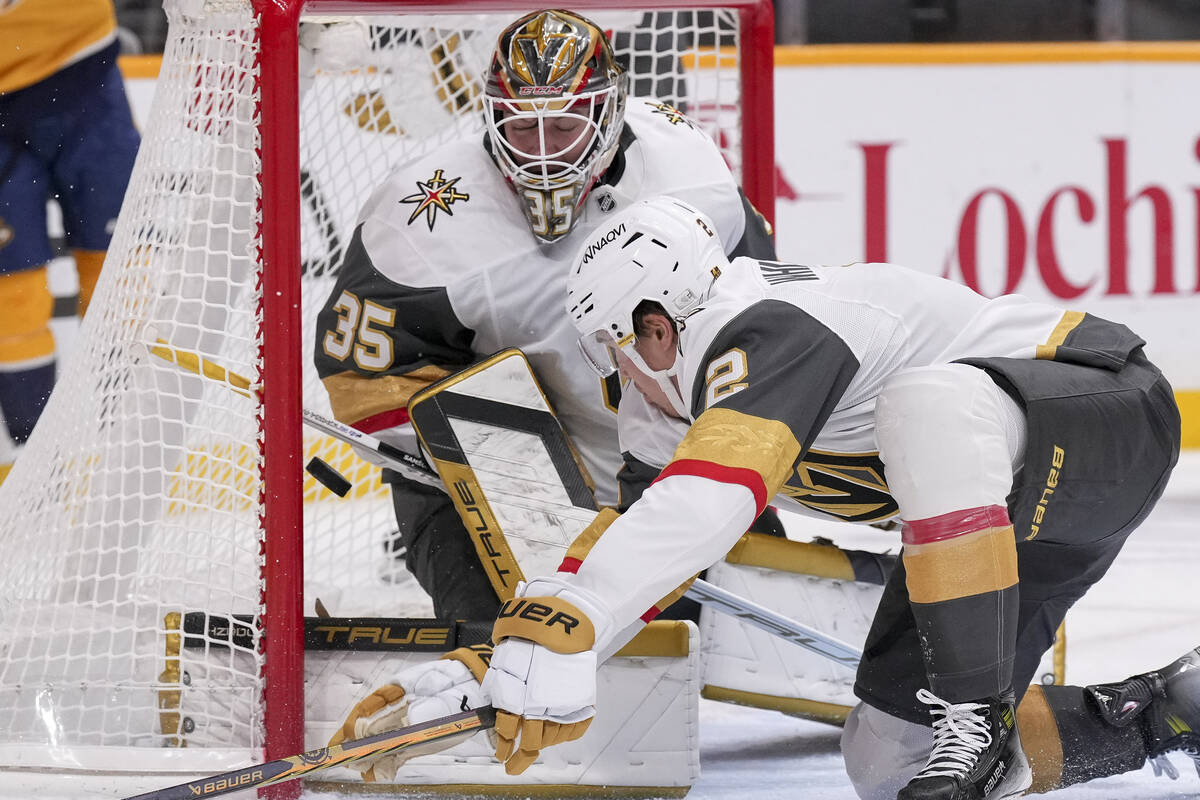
x=678, y=592
x=1069, y=322
x=734, y=439
x=355, y=397
x=588, y=537
x=551, y=622
x=971, y=564
x=802, y=558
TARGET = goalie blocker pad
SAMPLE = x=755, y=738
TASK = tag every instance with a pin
x=508, y=466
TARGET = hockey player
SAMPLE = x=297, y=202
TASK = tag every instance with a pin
x=463, y=252
x=1022, y=444
x=65, y=130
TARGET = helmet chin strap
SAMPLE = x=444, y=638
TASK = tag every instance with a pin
x=665, y=378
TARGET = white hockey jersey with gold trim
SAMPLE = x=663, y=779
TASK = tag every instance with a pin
x=443, y=269
x=851, y=327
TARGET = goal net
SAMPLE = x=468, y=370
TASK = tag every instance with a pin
x=164, y=478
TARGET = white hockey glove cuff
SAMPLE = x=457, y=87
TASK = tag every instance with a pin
x=417, y=694
x=542, y=677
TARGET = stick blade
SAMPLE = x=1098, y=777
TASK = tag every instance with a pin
x=420, y=739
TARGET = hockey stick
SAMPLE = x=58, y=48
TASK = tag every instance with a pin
x=408, y=465
x=415, y=739
x=775, y=624
x=414, y=468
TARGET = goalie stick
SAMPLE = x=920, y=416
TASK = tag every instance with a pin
x=408, y=465
x=415, y=468
x=415, y=739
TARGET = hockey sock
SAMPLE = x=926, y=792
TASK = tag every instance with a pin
x=26, y=350
x=1067, y=741
x=87, y=264
x=962, y=586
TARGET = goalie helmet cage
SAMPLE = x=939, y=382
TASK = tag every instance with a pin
x=164, y=477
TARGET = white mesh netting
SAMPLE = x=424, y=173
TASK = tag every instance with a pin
x=138, y=497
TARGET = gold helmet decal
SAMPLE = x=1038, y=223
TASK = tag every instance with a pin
x=554, y=107
x=549, y=54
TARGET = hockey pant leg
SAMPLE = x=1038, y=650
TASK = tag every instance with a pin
x=439, y=552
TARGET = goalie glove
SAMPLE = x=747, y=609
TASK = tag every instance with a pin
x=417, y=694
x=542, y=677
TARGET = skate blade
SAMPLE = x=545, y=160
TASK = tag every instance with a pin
x=1013, y=784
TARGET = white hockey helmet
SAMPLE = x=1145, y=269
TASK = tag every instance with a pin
x=660, y=249
x=554, y=106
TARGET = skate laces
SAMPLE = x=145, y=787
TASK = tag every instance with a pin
x=960, y=733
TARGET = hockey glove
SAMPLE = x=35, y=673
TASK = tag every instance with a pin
x=542, y=678
x=416, y=694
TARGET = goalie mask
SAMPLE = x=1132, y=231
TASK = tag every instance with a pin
x=554, y=106
x=660, y=249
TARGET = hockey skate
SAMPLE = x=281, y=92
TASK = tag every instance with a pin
x=976, y=753
x=1165, y=703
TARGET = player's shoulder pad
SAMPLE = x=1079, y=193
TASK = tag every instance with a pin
x=677, y=157
x=747, y=313
x=650, y=114
x=443, y=215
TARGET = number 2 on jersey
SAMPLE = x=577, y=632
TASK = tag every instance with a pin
x=724, y=376
x=353, y=334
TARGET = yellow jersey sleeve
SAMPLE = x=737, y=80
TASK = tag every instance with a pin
x=40, y=37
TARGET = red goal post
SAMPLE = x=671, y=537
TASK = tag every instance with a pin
x=281, y=248
x=165, y=476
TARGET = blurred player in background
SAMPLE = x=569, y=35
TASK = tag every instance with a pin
x=66, y=133
x=463, y=252
x=1022, y=445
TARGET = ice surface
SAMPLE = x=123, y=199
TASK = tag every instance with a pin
x=1142, y=615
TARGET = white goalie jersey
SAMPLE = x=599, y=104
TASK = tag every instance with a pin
x=443, y=270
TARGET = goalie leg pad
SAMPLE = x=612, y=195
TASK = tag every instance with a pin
x=811, y=583
x=647, y=735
